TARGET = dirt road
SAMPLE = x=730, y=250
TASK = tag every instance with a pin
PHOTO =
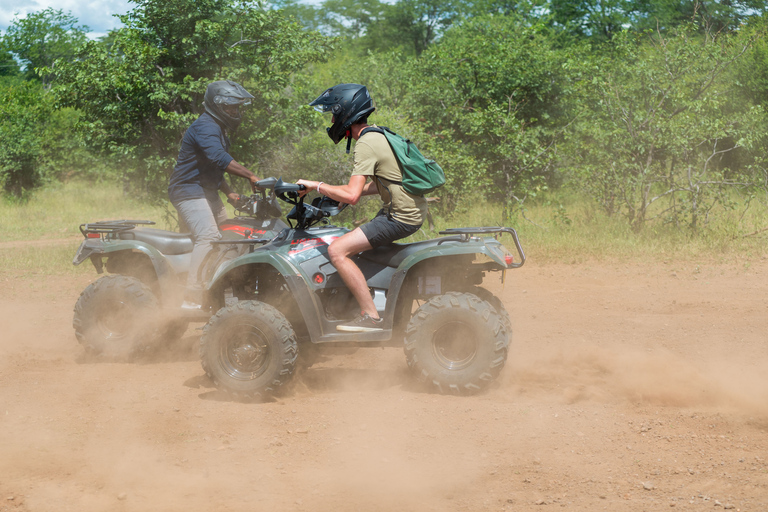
x=628, y=388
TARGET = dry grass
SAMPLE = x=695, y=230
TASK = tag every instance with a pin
x=557, y=230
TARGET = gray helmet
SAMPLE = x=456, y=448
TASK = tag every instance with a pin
x=225, y=93
x=349, y=103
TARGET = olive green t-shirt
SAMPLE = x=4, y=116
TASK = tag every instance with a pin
x=374, y=157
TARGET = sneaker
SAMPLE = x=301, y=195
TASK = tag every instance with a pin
x=363, y=323
x=190, y=306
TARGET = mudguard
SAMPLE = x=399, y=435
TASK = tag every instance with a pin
x=487, y=246
x=94, y=248
x=309, y=307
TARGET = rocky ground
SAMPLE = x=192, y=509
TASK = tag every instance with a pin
x=628, y=387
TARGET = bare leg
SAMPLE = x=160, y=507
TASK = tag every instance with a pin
x=339, y=253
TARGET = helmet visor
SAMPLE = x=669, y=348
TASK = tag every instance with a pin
x=229, y=100
x=325, y=102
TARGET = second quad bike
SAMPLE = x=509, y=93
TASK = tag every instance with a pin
x=286, y=298
x=138, y=303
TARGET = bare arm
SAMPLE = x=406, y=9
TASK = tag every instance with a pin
x=349, y=193
x=237, y=169
x=231, y=194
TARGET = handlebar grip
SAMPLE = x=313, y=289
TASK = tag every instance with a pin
x=295, y=193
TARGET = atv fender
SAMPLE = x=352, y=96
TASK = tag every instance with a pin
x=488, y=247
x=310, y=309
x=95, y=249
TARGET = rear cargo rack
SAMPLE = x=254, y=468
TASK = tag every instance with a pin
x=110, y=227
x=467, y=233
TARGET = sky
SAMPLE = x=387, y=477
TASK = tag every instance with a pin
x=96, y=14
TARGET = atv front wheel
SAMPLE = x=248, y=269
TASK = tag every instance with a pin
x=456, y=343
x=248, y=350
x=115, y=317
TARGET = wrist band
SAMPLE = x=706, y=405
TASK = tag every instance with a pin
x=318, y=187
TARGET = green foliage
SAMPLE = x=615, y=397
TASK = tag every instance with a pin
x=487, y=97
x=38, y=143
x=651, y=140
x=408, y=26
x=596, y=19
x=139, y=94
x=41, y=38
x=23, y=112
x=8, y=65
x=751, y=71
x=601, y=20
x=412, y=24
x=659, y=126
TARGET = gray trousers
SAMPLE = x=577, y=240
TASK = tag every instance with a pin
x=202, y=218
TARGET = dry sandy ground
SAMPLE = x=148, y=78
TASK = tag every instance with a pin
x=629, y=387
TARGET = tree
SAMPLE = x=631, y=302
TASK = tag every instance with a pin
x=41, y=38
x=751, y=74
x=350, y=18
x=595, y=19
x=310, y=17
x=488, y=95
x=8, y=65
x=139, y=94
x=372, y=25
x=656, y=127
x=23, y=113
x=600, y=20
x=413, y=25
x=713, y=16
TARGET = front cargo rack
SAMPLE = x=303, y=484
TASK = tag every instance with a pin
x=111, y=227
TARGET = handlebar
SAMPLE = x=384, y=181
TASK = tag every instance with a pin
x=266, y=183
x=285, y=190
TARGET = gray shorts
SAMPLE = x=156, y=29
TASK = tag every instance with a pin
x=383, y=230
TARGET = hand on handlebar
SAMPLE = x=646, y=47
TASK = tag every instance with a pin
x=236, y=200
x=254, y=180
x=308, y=185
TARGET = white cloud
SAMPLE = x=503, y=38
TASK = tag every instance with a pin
x=96, y=14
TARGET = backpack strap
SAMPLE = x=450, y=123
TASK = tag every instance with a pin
x=374, y=129
x=382, y=130
x=377, y=129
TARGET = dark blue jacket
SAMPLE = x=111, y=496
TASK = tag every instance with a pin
x=203, y=156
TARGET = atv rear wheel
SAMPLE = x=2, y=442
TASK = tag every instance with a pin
x=115, y=317
x=494, y=301
x=248, y=350
x=456, y=343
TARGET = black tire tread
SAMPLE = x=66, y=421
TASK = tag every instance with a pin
x=484, y=370
x=132, y=289
x=287, y=340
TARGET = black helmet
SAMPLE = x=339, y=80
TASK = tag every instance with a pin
x=225, y=93
x=349, y=103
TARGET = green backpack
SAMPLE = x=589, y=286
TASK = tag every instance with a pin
x=420, y=175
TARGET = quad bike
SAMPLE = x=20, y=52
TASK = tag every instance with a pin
x=288, y=298
x=138, y=304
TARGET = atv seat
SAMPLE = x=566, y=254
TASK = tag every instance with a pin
x=392, y=255
x=167, y=242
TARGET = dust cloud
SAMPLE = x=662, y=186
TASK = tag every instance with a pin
x=660, y=378
x=614, y=397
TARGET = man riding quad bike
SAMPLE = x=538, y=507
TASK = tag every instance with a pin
x=287, y=297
